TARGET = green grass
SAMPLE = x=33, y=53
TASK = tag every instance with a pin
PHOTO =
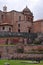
x=6, y=45
x=18, y=62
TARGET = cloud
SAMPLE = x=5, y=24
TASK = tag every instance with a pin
x=17, y=4
x=38, y=10
x=36, y=6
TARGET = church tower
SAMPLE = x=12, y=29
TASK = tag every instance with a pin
x=5, y=8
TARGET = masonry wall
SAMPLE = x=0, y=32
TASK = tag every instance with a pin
x=38, y=26
x=7, y=52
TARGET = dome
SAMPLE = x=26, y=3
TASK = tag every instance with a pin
x=26, y=9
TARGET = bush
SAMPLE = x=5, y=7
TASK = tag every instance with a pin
x=20, y=50
x=37, y=41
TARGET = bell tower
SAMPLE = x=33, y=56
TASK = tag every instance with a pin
x=5, y=8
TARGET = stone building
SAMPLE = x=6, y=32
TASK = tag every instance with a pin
x=14, y=21
x=38, y=26
x=23, y=21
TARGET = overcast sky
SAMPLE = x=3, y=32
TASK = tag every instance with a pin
x=36, y=6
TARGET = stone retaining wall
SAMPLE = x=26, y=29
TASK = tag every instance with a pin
x=11, y=51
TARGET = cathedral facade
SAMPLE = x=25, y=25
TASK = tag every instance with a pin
x=14, y=21
x=23, y=21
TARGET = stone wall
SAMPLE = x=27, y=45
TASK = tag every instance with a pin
x=8, y=52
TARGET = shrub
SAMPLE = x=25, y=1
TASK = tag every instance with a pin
x=20, y=50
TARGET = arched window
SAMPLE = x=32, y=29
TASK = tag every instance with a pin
x=18, y=30
x=3, y=28
x=29, y=30
x=10, y=29
x=19, y=18
x=18, y=25
x=2, y=17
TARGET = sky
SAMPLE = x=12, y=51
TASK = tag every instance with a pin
x=36, y=6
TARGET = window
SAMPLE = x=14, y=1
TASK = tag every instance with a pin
x=2, y=17
x=29, y=30
x=28, y=19
x=18, y=25
x=18, y=30
x=9, y=29
x=19, y=18
x=3, y=28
